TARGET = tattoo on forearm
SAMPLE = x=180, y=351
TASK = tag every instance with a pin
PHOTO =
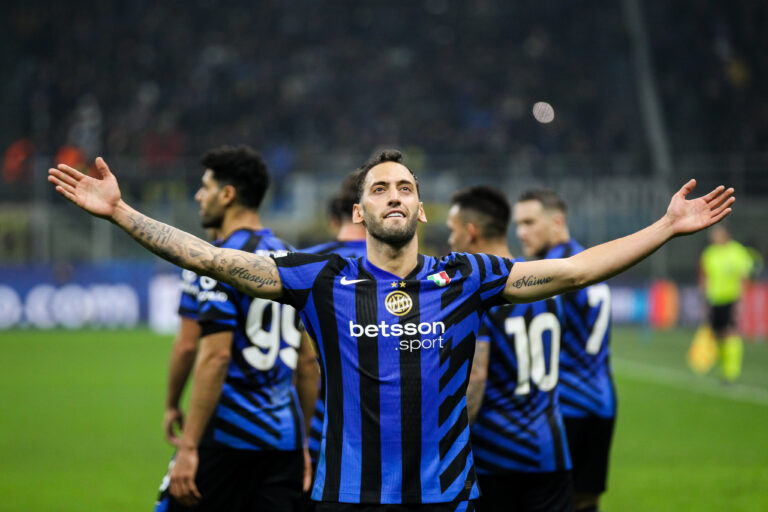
x=190, y=252
x=531, y=281
x=158, y=237
x=243, y=273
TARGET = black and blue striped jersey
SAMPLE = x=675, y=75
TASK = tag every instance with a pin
x=345, y=249
x=190, y=287
x=586, y=383
x=258, y=408
x=396, y=355
x=519, y=426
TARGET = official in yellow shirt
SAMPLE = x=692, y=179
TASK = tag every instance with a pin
x=725, y=265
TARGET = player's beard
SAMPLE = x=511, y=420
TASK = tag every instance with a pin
x=395, y=236
x=211, y=221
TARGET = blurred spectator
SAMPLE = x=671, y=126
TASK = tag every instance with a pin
x=17, y=161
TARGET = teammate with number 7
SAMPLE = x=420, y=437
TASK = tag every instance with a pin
x=587, y=393
x=395, y=330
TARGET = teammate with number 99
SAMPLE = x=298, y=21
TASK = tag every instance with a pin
x=242, y=445
x=518, y=438
x=587, y=394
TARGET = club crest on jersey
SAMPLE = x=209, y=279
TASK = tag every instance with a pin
x=398, y=303
x=440, y=279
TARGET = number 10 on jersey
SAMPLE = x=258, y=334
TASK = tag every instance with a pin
x=529, y=349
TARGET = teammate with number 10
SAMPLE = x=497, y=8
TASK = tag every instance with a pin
x=518, y=438
x=242, y=444
x=395, y=330
x=587, y=394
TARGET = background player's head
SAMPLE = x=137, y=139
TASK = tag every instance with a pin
x=341, y=205
x=478, y=215
x=541, y=219
x=719, y=234
x=235, y=177
x=388, y=199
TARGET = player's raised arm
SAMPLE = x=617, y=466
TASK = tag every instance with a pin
x=534, y=280
x=252, y=274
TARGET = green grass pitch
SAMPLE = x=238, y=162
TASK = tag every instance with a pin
x=81, y=415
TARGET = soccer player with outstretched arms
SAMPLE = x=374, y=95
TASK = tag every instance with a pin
x=395, y=330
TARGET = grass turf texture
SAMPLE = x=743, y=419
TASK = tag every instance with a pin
x=81, y=414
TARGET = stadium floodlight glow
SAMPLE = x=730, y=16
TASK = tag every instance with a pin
x=543, y=112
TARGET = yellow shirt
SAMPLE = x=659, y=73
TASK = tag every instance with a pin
x=725, y=266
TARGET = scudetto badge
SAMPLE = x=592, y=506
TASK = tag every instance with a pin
x=398, y=303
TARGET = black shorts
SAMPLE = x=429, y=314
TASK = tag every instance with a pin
x=589, y=441
x=239, y=480
x=526, y=492
x=463, y=506
x=722, y=317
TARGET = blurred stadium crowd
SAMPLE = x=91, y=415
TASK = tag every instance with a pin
x=161, y=80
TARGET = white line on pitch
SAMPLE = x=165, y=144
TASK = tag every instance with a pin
x=690, y=382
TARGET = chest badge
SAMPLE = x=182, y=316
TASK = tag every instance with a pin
x=440, y=279
x=398, y=303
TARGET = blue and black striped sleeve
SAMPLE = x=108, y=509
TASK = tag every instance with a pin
x=188, y=302
x=298, y=273
x=217, y=307
x=493, y=272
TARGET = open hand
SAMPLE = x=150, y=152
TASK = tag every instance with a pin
x=687, y=216
x=96, y=196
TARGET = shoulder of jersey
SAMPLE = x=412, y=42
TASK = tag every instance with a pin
x=354, y=249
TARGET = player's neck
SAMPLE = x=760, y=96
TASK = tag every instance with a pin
x=350, y=232
x=494, y=247
x=561, y=237
x=240, y=218
x=399, y=261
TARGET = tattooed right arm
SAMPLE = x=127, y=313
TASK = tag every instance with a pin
x=249, y=273
x=254, y=275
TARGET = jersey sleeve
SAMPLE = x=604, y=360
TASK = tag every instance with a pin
x=298, y=273
x=484, y=333
x=188, y=306
x=217, y=311
x=493, y=272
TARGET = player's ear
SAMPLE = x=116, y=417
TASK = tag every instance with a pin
x=422, y=215
x=559, y=220
x=473, y=232
x=228, y=194
x=357, y=214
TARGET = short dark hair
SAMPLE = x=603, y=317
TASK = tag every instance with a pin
x=549, y=199
x=341, y=205
x=491, y=205
x=385, y=155
x=241, y=167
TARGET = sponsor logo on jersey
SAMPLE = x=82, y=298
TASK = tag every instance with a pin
x=207, y=292
x=435, y=330
x=267, y=253
x=398, y=303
